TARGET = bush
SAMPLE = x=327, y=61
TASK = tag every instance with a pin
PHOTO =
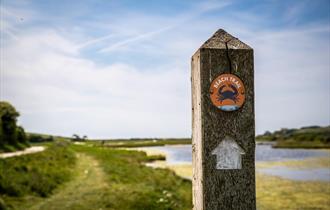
x=8, y=148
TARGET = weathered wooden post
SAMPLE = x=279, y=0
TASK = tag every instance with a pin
x=223, y=125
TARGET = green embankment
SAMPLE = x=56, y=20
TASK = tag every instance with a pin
x=28, y=178
x=312, y=137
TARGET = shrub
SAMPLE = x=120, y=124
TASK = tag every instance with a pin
x=8, y=148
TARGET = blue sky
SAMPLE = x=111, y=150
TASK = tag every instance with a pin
x=122, y=68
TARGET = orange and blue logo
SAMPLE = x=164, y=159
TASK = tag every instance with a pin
x=227, y=92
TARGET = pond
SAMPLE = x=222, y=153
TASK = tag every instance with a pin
x=182, y=154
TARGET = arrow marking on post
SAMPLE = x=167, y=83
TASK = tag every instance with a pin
x=229, y=154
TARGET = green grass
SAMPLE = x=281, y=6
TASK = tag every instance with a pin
x=86, y=190
x=28, y=177
x=131, y=185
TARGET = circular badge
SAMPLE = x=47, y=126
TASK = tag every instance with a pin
x=227, y=92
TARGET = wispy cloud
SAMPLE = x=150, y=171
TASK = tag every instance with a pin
x=139, y=85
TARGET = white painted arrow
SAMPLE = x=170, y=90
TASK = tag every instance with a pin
x=229, y=154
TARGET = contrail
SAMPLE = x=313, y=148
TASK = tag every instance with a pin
x=134, y=39
x=93, y=41
x=202, y=8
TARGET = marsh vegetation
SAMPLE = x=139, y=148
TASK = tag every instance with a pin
x=305, y=137
x=70, y=176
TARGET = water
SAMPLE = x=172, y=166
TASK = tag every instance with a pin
x=267, y=153
x=178, y=154
x=182, y=154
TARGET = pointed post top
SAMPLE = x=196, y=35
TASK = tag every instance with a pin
x=219, y=40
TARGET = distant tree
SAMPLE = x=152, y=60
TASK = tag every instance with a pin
x=76, y=137
x=311, y=127
x=267, y=133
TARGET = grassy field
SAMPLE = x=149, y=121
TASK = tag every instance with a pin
x=87, y=177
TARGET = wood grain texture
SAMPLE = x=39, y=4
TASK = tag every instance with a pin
x=222, y=189
x=196, y=146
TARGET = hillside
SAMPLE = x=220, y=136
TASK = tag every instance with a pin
x=305, y=137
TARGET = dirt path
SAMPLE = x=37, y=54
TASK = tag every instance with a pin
x=29, y=150
x=85, y=191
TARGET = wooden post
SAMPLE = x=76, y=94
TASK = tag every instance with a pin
x=223, y=125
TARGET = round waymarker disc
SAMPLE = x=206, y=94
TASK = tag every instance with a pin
x=227, y=92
